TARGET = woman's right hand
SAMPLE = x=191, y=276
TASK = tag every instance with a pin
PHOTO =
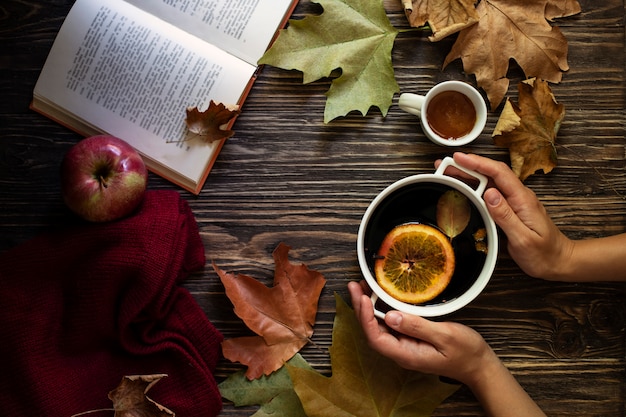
x=534, y=242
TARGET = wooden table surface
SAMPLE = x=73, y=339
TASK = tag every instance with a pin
x=287, y=177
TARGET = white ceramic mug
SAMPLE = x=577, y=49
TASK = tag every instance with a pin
x=419, y=105
x=377, y=213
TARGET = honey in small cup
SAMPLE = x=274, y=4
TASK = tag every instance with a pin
x=453, y=113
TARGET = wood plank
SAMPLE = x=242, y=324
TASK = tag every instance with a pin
x=287, y=176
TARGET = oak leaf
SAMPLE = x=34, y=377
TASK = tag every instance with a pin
x=211, y=124
x=365, y=383
x=274, y=393
x=130, y=399
x=282, y=316
x=354, y=36
x=444, y=17
x=512, y=29
x=529, y=129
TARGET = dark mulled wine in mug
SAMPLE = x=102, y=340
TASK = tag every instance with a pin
x=451, y=114
x=417, y=203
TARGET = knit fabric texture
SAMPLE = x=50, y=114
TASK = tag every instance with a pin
x=83, y=306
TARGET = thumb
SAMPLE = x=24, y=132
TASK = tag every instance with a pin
x=410, y=325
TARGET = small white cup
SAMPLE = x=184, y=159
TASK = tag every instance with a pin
x=418, y=105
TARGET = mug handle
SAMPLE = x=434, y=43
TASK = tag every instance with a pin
x=411, y=103
x=377, y=313
x=448, y=161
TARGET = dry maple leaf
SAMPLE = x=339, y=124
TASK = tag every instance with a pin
x=365, y=383
x=444, y=17
x=529, y=129
x=281, y=316
x=211, y=124
x=512, y=29
x=130, y=399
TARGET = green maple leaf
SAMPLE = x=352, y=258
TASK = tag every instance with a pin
x=274, y=393
x=365, y=383
x=352, y=35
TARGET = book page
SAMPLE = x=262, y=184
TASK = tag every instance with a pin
x=244, y=28
x=128, y=74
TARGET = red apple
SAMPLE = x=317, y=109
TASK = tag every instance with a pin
x=103, y=178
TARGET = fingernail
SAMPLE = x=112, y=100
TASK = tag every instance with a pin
x=492, y=197
x=393, y=318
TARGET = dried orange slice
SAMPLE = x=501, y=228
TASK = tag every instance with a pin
x=415, y=263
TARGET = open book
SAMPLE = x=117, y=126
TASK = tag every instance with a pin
x=131, y=68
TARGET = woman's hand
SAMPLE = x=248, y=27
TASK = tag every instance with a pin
x=449, y=349
x=534, y=242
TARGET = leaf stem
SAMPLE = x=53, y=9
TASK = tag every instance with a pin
x=414, y=29
x=92, y=411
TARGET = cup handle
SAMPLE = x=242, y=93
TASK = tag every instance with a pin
x=377, y=313
x=448, y=161
x=411, y=103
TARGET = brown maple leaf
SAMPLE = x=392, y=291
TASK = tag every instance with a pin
x=281, y=316
x=444, y=17
x=213, y=123
x=529, y=129
x=130, y=399
x=513, y=29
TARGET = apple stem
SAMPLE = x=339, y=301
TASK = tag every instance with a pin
x=103, y=182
